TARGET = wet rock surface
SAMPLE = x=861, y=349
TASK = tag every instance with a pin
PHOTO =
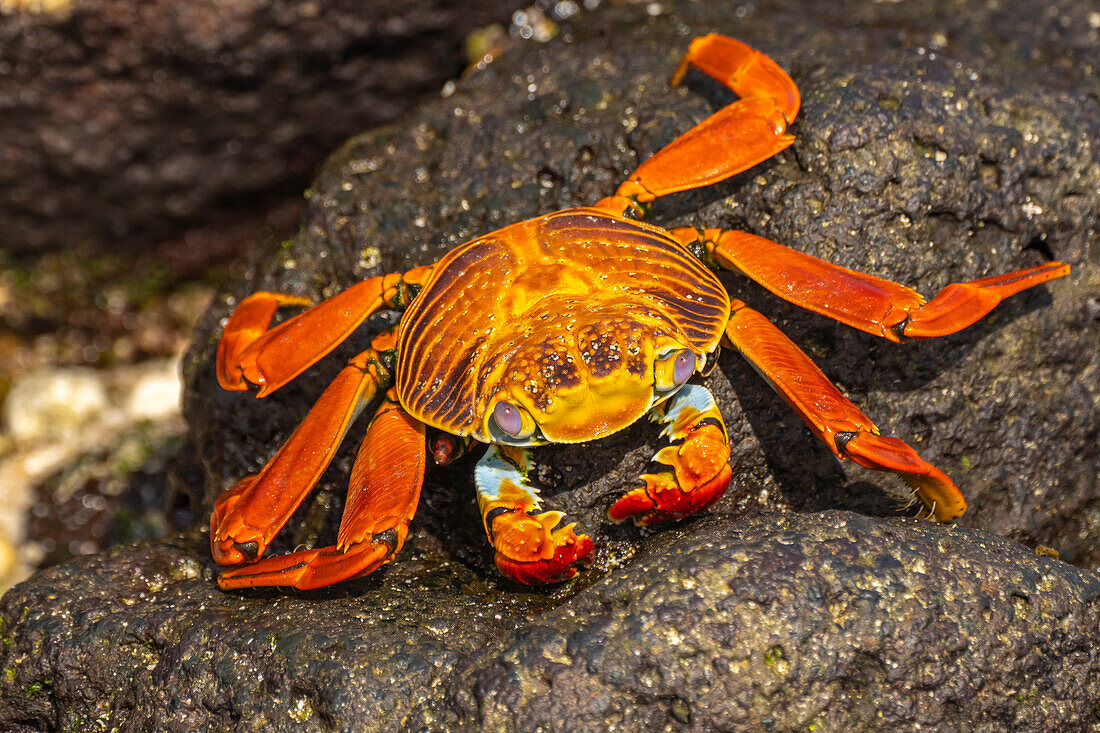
x=830, y=621
x=124, y=122
x=932, y=147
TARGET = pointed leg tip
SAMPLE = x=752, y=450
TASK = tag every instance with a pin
x=229, y=552
x=671, y=506
x=230, y=580
x=230, y=381
x=934, y=487
x=633, y=505
x=226, y=555
x=939, y=494
x=309, y=569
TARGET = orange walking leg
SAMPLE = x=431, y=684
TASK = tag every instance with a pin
x=869, y=303
x=731, y=140
x=382, y=497
x=248, y=515
x=250, y=352
x=833, y=418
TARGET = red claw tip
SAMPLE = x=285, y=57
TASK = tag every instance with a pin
x=557, y=569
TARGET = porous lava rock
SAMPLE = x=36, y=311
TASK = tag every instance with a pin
x=830, y=621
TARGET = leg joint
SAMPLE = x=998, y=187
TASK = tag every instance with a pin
x=842, y=440
x=390, y=539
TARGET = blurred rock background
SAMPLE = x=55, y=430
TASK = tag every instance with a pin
x=143, y=147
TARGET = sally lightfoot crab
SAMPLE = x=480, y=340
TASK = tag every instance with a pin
x=561, y=329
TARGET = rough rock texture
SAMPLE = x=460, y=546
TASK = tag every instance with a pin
x=827, y=621
x=122, y=121
x=830, y=621
x=935, y=144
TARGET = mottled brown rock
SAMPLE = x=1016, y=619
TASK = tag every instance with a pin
x=831, y=621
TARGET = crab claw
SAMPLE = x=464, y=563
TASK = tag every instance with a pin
x=532, y=547
x=535, y=550
x=694, y=467
x=665, y=498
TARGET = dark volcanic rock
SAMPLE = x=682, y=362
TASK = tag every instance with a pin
x=935, y=145
x=122, y=121
x=828, y=621
x=831, y=621
x=177, y=654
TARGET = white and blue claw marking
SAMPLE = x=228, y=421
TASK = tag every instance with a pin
x=690, y=397
x=499, y=477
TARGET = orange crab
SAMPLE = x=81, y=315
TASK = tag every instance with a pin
x=561, y=329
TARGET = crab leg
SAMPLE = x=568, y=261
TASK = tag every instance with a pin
x=531, y=546
x=250, y=352
x=692, y=471
x=382, y=497
x=247, y=516
x=872, y=304
x=731, y=140
x=833, y=418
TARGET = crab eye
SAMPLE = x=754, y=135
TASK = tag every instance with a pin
x=507, y=417
x=683, y=366
x=512, y=420
x=674, y=369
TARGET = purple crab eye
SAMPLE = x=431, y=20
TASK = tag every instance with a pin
x=508, y=418
x=672, y=369
x=683, y=367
